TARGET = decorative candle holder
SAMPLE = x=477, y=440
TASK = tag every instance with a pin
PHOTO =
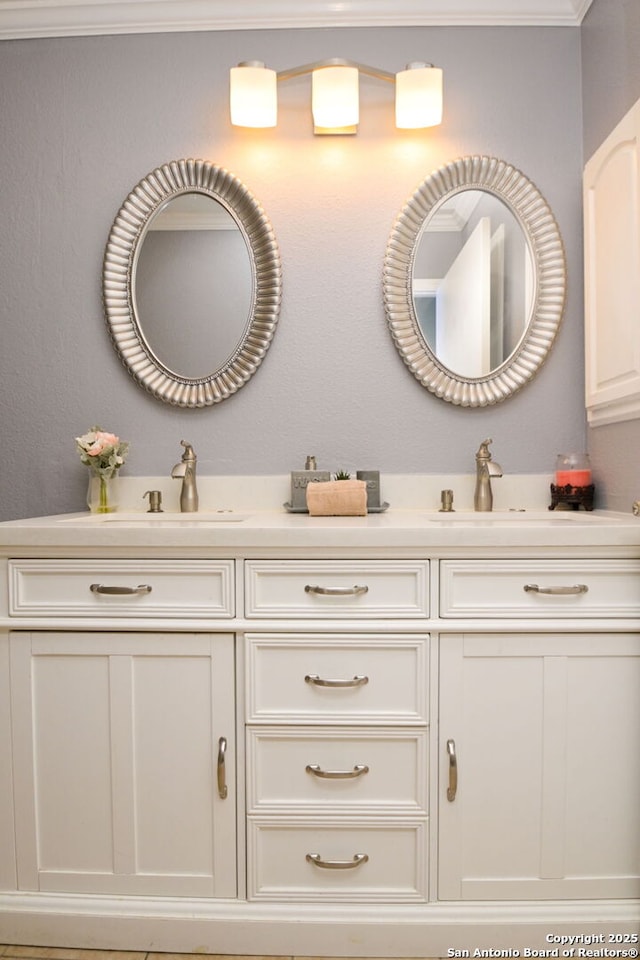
x=573, y=486
x=575, y=497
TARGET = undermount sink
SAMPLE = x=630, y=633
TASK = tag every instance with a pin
x=163, y=519
x=514, y=516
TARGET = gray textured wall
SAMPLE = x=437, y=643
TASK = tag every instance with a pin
x=83, y=119
x=611, y=85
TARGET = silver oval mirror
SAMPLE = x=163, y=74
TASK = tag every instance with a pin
x=191, y=283
x=474, y=281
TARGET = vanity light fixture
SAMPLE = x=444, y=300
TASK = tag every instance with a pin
x=254, y=98
x=335, y=94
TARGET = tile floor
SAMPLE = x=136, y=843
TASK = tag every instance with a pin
x=64, y=953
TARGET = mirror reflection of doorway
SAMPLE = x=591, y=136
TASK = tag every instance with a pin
x=472, y=284
x=463, y=307
x=455, y=310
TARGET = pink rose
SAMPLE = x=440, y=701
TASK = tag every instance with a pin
x=102, y=441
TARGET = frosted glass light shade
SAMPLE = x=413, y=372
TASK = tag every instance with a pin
x=253, y=95
x=418, y=96
x=335, y=101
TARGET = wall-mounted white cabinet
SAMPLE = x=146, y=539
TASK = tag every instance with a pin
x=612, y=275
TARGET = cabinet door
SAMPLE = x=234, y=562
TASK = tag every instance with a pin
x=545, y=734
x=612, y=274
x=116, y=746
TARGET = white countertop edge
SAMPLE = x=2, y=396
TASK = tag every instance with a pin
x=261, y=530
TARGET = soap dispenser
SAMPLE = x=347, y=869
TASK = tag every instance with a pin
x=300, y=479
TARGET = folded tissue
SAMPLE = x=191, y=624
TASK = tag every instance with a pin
x=337, y=498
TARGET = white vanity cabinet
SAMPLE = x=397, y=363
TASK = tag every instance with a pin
x=337, y=733
x=123, y=738
x=539, y=734
x=373, y=735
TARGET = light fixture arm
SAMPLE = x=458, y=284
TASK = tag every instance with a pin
x=335, y=62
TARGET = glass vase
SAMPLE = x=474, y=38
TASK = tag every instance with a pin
x=102, y=494
x=573, y=469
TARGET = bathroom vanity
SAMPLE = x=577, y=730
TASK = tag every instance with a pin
x=397, y=735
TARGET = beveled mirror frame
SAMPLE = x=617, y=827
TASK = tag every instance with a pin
x=128, y=230
x=531, y=210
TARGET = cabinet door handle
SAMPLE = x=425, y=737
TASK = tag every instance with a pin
x=453, y=771
x=557, y=591
x=354, y=591
x=358, y=859
x=358, y=771
x=141, y=589
x=357, y=681
x=222, y=771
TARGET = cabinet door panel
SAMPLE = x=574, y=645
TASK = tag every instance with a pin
x=611, y=192
x=545, y=731
x=72, y=766
x=116, y=737
x=173, y=742
x=603, y=766
x=8, y=876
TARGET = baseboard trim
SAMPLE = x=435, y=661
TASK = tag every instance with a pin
x=326, y=930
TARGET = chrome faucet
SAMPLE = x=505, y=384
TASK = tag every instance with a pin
x=485, y=469
x=186, y=470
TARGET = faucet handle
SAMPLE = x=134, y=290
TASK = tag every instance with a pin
x=483, y=451
x=189, y=453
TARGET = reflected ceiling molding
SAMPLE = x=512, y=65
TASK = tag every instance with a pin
x=21, y=19
x=186, y=213
x=454, y=216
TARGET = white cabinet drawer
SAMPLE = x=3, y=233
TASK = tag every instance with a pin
x=378, y=861
x=337, y=678
x=337, y=770
x=336, y=588
x=121, y=588
x=540, y=588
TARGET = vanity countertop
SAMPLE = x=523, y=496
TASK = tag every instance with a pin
x=245, y=515
x=244, y=532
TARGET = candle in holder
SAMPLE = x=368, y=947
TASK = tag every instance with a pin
x=573, y=469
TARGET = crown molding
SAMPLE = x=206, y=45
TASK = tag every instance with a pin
x=21, y=19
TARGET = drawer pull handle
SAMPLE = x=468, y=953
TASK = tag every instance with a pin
x=120, y=591
x=557, y=591
x=452, y=789
x=317, y=681
x=358, y=771
x=358, y=859
x=355, y=591
x=222, y=770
